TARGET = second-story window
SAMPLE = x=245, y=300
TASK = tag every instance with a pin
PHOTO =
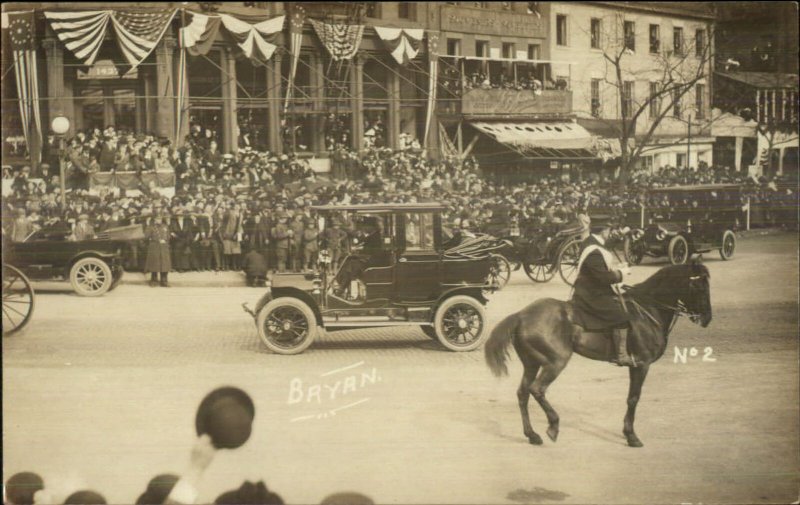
x=508, y=51
x=655, y=39
x=700, y=101
x=453, y=47
x=596, y=98
x=534, y=51
x=655, y=100
x=676, y=104
x=594, y=34
x=677, y=40
x=482, y=48
x=407, y=10
x=561, y=30
x=699, y=42
x=630, y=35
x=627, y=98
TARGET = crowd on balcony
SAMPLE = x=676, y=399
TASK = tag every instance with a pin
x=224, y=206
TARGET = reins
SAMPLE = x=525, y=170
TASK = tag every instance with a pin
x=677, y=310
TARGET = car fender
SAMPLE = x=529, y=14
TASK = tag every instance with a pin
x=471, y=291
x=274, y=293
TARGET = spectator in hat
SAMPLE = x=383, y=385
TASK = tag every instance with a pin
x=182, y=231
x=310, y=246
x=255, y=268
x=231, y=237
x=83, y=229
x=158, y=260
x=22, y=226
x=280, y=237
x=249, y=493
x=296, y=241
x=85, y=497
x=259, y=227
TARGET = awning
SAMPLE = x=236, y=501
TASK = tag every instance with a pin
x=551, y=140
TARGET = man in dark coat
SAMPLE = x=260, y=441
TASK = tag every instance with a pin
x=158, y=257
x=255, y=268
x=182, y=230
x=597, y=305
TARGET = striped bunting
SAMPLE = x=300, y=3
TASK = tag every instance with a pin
x=81, y=32
x=138, y=32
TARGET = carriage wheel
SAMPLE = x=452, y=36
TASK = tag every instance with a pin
x=18, y=300
x=287, y=325
x=460, y=323
x=539, y=270
x=728, y=245
x=678, y=250
x=499, y=270
x=632, y=251
x=568, y=261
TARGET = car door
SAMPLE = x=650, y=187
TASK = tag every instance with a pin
x=418, y=268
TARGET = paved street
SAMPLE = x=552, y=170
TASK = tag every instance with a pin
x=101, y=393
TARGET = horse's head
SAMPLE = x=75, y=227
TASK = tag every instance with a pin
x=696, y=293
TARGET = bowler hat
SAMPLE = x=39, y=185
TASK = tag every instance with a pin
x=21, y=487
x=85, y=497
x=226, y=415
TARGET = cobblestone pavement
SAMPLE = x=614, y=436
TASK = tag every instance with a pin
x=102, y=392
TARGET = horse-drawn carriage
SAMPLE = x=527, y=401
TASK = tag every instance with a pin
x=687, y=220
x=18, y=300
x=403, y=275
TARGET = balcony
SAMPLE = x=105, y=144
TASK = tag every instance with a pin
x=511, y=102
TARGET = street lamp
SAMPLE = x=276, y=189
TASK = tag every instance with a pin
x=60, y=126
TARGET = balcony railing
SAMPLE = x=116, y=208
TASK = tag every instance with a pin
x=512, y=102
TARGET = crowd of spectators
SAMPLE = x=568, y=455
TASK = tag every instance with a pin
x=224, y=206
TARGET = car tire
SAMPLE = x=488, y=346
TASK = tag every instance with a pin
x=678, y=250
x=459, y=316
x=728, y=245
x=629, y=250
x=90, y=277
x=287, y=315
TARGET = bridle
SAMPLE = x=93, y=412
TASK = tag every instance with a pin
x=678, y=310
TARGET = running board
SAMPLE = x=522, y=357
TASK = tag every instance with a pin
x=373, y=324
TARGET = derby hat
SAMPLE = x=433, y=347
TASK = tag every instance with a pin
x=226, y=415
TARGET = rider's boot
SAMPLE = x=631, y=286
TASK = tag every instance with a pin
x=620, y=338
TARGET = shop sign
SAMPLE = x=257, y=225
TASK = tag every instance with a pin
x=492, y=22
x=510, y=101
x=105, y=69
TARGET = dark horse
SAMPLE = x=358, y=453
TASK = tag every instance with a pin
x=545, y=337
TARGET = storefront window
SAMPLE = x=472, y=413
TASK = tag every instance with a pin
x=375, y=128
x=337, y=131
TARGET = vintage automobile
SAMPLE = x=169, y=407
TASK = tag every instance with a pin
x=402, y=275
x=697, y=220
x=93, y=267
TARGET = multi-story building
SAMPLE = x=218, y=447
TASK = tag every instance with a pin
x=622, y=54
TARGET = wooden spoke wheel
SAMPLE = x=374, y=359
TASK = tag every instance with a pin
x=568, y=259
x=90, y=277
x=460, y=323
x=678, y=250
x=18, y=300
x=632, y=250
x=499, y=271
x=728, y=245
x=287, y=325
x=539, y=270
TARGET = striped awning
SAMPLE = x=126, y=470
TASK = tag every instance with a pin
x=541, y=139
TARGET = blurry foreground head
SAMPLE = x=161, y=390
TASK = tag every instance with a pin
x=226, y=415
x=249, y=494
x=347, y=498
x=85, y=497
x=158, y=489
x=21, y=487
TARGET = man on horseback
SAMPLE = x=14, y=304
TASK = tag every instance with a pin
x=598, y=306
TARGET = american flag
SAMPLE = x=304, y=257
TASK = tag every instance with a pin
x=138, y=32
x=296, y=22
x=21, y=35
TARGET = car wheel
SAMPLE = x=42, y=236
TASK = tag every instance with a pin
x=460, y=323
x=499, y=270
x=90, y=277
x=678, y=250
x=287, y=325
x=429, y=331
x=728, y=245
x=568, y=260
x=631, y=250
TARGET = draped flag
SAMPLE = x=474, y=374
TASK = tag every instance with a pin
x=403, y=43
x=296, y=23
x=433, y=77
x=250, y=38
x=81, y=32
x=21, y=27
x=138, y=32
x=342, y=41
x=198, y=35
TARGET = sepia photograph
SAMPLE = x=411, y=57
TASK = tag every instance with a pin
x=362, y=253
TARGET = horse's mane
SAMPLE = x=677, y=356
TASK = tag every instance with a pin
x=666, y=278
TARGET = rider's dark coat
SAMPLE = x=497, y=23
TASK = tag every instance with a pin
x=596, y=304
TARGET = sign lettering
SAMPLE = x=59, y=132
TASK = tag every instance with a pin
x=492, y=22
x=510, y=101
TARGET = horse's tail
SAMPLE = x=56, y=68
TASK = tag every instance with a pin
x=496, y=347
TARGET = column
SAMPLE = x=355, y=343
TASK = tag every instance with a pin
x=737, y=161
x=318, y=121
x=357, y=102
x=393, y=115
x=275, y=101
x=165, y=89
x=230, y=134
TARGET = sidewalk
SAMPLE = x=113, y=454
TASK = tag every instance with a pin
x=191, y=279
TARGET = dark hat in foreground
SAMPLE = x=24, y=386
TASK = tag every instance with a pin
x=158, y=489
x=347, y=498
x=249, y=493
x=21, y=487
x=226, y=415
x=85, y=497
x=599, y=223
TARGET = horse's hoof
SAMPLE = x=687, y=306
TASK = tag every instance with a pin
x=635, y=442
x=535, y=439
x=552, y=433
